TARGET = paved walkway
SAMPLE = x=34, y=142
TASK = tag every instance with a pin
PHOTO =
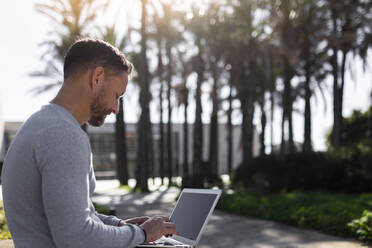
x=223, y=230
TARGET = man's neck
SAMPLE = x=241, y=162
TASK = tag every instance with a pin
x=74, y=101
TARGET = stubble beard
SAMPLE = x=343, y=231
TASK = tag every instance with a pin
x=98, y=112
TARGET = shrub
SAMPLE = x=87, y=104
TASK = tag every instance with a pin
x=348, y=172
x=326, y=212
x=362, y=227
x=4, y=230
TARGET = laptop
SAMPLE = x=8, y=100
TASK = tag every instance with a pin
x=190, y=215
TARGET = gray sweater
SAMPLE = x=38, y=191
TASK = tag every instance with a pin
x=48, y=180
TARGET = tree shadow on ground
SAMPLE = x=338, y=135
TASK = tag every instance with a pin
x=227, y=230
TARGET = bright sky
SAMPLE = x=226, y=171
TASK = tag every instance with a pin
x=23, y=29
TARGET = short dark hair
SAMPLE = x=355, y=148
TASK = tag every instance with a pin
x=89, y=53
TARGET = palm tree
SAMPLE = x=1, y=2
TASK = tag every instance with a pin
x=121, y=146
x=72, y=19
x=348, y=20
x=213, y=137
x=312, y=32
x=160, y=75
x=168, y=49
x=197, y=27
x=230, y=131
x=144, y=125
x=165, y=22
x=271, y=58
x=288, y=42
x=364, y=45
x=215, y=43
x=246, y=49
x=264, y=78
x=171, y=36
x=159, y=27
x=183, y=95
x=231, y=67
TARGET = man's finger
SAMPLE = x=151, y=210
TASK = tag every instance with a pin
x=169, y=225
x=143, y=218
x=171, y=231
x=165, y=218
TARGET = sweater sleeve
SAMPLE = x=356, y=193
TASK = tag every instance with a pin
x=108, y=219
x=64, y=160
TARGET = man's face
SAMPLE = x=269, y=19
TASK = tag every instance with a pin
x=107, y=100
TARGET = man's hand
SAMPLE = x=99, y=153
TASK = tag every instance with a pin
x=136, y=221
x=158, y=226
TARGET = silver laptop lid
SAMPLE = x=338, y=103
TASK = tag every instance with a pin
x=192, y=212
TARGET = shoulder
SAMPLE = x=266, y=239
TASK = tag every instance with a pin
x=49, y=125
x=63, y=145
x=52, y=132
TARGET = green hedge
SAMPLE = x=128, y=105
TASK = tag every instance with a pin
x=349, y=172
x=326, y=212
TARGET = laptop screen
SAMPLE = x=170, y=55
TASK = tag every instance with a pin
x=190, y=214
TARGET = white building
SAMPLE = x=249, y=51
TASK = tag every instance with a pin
x=102, y=141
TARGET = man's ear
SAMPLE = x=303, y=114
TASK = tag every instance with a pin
x=98, y=75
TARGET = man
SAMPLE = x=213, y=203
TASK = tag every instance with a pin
x=48, y=176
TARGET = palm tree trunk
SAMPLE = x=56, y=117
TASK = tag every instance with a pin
x=287, y=108
x=307, y=147
x=186, y=141
x=143, y=124
x=247, y=127
x=161, y=148
x=272, y=121
x=169, y=129
x=185, y=128
x=283, y=142
x=341, y=94
x=250, y=127
x=121, y=148
x=290, y=127
x=161, y=124
x=151, y=171
x=198, y=126
x=230, y=133
x=213, y=137
x=370, y=123
x=336, y=132
x=263, y=127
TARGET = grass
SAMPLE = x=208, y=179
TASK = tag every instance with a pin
x=126, y=187
x=4, y=231
x=131, y=189
x=326, y=212
x=101, y=209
